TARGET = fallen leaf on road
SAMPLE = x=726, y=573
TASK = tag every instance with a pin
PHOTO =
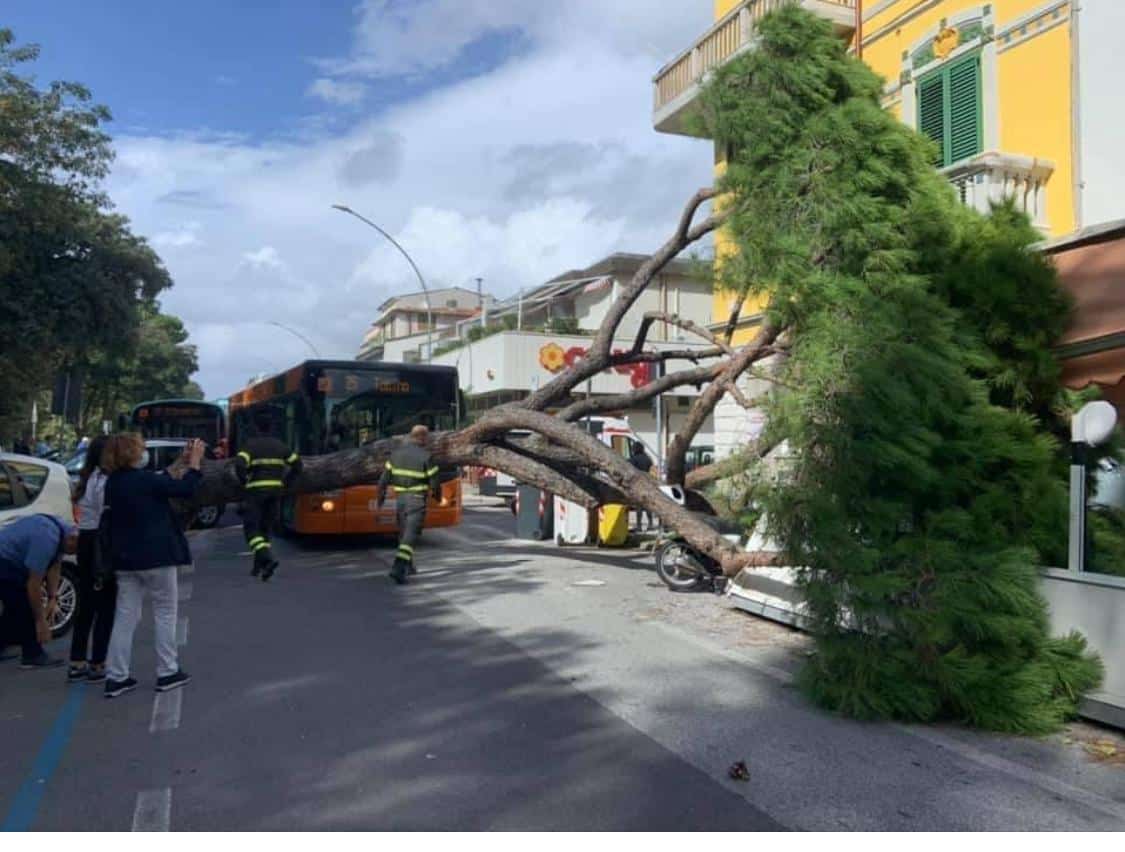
x=739, y=772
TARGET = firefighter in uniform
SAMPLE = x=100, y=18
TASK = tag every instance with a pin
x=413, y=475
x=264, y=466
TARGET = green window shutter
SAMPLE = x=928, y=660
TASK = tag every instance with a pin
x=964, y=109
x=931, y=112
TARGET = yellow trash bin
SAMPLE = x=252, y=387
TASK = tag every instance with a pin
x=613, y=525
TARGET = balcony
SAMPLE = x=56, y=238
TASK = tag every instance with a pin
x=991, y=177
x=676, y=86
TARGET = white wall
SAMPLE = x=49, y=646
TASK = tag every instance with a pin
x=1094, y=605
x=1102, y=121
x=689, y=298
x=510, y=361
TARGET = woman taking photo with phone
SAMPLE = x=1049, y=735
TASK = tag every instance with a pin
x=147, y=546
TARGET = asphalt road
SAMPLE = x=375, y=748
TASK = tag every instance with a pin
x=331, y=699
x=514, y=685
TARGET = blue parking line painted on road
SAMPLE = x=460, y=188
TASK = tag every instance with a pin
x=25, y=805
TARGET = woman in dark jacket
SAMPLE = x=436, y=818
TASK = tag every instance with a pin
x=97, y=597
x=147, y=547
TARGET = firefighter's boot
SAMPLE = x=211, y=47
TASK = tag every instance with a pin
x=399, y=570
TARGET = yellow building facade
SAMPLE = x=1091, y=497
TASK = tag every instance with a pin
x=994, y=84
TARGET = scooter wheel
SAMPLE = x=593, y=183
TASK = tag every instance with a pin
x=679, y=566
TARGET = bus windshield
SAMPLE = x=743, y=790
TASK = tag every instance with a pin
x=174, y=418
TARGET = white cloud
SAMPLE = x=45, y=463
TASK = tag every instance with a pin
x=338, y=92
x=264, y=258
x=393, y=37
x=184, y=237
x=546, y=163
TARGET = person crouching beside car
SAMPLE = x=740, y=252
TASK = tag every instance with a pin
x=146, y=547
x=30, y=552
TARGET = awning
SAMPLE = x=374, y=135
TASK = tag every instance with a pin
x=1092, y=269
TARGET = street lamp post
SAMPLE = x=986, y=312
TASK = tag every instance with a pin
x=425, y=290
x=296, y=333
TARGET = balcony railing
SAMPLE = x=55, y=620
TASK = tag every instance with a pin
x=677, y=82
x=991, y=177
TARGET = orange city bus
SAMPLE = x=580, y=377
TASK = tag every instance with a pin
x=322, y=406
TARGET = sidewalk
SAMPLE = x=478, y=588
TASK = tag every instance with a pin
x=714, y=685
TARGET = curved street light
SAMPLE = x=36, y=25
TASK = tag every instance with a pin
x=425, y=290
x=296, y=333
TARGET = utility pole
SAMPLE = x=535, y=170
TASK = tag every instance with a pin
x=480, y=302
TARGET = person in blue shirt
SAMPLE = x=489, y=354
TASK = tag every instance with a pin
x=30, y=552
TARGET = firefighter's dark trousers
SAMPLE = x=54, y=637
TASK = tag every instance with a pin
x=261, y=516
x=410, y=512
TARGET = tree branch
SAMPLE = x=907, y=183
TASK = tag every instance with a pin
x=598, y=355
x=695, y=376
x=677, y=322
x=705, y=403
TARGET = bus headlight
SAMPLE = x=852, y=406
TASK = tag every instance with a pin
x=327, y=506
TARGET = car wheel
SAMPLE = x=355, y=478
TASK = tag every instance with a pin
x=67, y=608
x=208, y=516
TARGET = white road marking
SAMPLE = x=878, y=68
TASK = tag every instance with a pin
x=166, y=709
x=153, y=811
x=588, y=583
x=181, y=630
x=185, y=590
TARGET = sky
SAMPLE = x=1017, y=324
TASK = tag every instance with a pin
x=504, y=139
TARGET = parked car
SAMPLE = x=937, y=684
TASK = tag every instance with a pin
x=35, y=486
x=161, y=453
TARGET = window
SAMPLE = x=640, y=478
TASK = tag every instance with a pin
x=31, y=476
x=949, y=109
x=7, y=497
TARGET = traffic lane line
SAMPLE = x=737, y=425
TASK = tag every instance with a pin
x=166, y=710
x=153, y=811
x=25, y=805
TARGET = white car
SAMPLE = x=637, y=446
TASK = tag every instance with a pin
x=161, y=453
x=33, y=486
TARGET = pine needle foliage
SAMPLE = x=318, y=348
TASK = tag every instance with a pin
x=919, y=483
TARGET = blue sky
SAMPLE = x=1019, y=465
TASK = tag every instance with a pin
x=501, y=138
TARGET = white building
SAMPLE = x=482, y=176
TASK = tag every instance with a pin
x=534, y=335
x=419, y=317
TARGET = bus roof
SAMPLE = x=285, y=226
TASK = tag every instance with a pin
x=358, y=366
x=175, y=401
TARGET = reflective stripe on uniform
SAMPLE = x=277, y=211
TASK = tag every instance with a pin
x=258, y=539
x=268, y=463
x=431, y=471
x=405, y=471
x=261, y=545
x=265, y=483
x=406, y=550
x=244, y=455
x=411, y=489
x=292, y=459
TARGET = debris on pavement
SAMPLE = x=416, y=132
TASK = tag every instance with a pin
x=738, y=771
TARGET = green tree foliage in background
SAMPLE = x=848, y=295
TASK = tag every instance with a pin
x=158, y=365
x=920, y=475
x=75, y=282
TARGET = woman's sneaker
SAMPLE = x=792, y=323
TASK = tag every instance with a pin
x=95, y=675
x=172, y=681
x=76, y=674
x=114, y=688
